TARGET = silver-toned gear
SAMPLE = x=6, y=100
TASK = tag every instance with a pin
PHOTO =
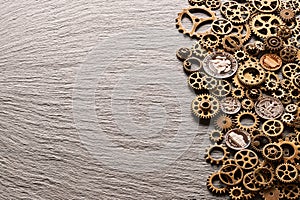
x=288, y=118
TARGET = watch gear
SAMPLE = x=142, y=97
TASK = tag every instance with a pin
x=222, y=89
x=241, y=55
x=259, y=141
x=236, y=193
x=224, y=123
x=199, y=51
x=273, y=43
x=288, y=54
x=192, y=64
x=247, y=115
x=273, y=128
x=231, y=174
x=183, y=53
x=213, y=4
x=215, y=185
x=247, y=104
x=238, y=93
x=237, y=13
x=289, y=70
x=286, y=173
x=287, y=15
x=264, y=176
x=221, y=26
x=210, y=41
x=205, y=106
x=195, y=81
x=272, y=152
x=216, y=148
x=249, y=183
x=251, y=74
x=246, y=159
x=267, y=6
x=216, y=136
x=232, y=42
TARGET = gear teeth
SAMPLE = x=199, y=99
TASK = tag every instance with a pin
x=238, y=120
x=236, y=193
x=220, y=148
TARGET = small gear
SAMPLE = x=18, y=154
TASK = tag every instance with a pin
x=216, y=148
x=254, y=93
x=249, y=183
x=195, y=81
x=286, y=173
x=251, y=74
x=236, y=193
x=268, y=6
x=224, y=122
x=247, y=115
x=209, y=82
x=196, y=2
x=289, y=54
x=223, y=88
x=237, y=13
x=288, y=118
x=197, y=21
x=291, y=108
x=238, y=93
x=272, y=85
x=286, y=83
x=264, y=176
x=216, y=136
x=221, y=26
x=290, y=150
x=260, y=141
x=272, y=193
x=283, y=31
x=232, y=42
x=273, y=128
x=247, y=104
x=287, y=15
x=294, y=93
x=237, y=82
x=272, y=152
x=205, y=106
x=290, y=70
x=210, y=41
x=241, y=55
x=215, y=185
x=192, y=64
x=291, y=191
x=199, y=51
x=265, y=25
x=213, y=4
x=273, y=43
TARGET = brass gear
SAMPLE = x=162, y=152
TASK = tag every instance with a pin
x=195, y=81
x=272, y=152
x=237, y=13
x=289, y=54
x=264, y=176
x=241, y=55
x=279, y=93
x=221, y=26
x=197, y=21
x=205, y=106
x=238, y=93
x=251, y=74
x=210, y=41
x=196, y=2
x=219, y=188
x=290, y=70
x=222, y=89
x=247, y=115
x=284, y=31
x=259, y=141
x=232, y=43
x=216, y=148
x=246, y=159
x=249, y=183
x=231, y=174
x=272, y=193
x=290, y=150
x=287, y=15
x=192, y=64
x=286, y=173
x=247, y=104
x=213, y=4
x=224, y=122
x=273, y=128
x=291, y=191
x=216, y=136
x=236, y=193
x=243, y=31
x=265, y=25
x=288, y=118
x=199, y=51
x=273, y=43
x=268, y=6
x=294, y=93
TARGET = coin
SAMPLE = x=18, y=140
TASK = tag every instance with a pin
x=230, y=105
x=269, y=108
x=271, y=62
x=220, y=64
x=237, y=139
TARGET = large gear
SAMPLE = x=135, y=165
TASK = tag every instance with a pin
x=205, y=106
x=267, y=6
x=265, y=25
x=197, y=21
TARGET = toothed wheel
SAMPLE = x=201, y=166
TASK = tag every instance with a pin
x=236, y=193
x=287, y=173
x=224, y=123
x=210, y=156
x=247, y=115
x=205, y=106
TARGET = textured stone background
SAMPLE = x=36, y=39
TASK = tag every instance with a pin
x=94, y=104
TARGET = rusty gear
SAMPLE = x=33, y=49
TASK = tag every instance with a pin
x=224, y=123
x=289, y=54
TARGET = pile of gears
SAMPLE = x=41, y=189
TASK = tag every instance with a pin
x=245, y=70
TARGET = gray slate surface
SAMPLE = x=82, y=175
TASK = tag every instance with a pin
x=95, y=105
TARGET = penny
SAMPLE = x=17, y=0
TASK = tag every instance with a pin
x=269, y=108
x=237, y=139
x=220, y=65
x=271, y=62
x=230, y=105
